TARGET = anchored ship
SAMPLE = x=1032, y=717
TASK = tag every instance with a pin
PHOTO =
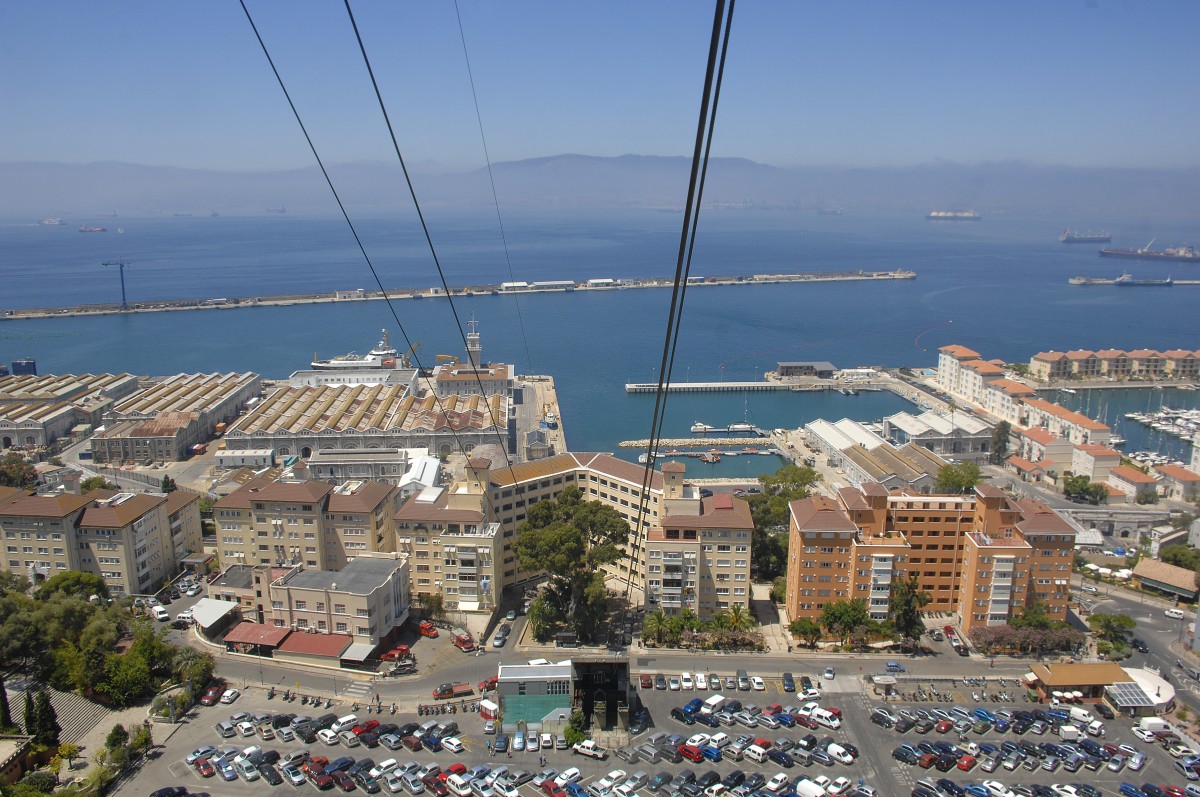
x=954, y=215
x=1186, y=253
x=92, y=229
x=1089, y=237
x=1127, y=281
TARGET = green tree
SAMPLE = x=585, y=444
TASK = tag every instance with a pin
x=575, y=730
x=46, y=718
x=73, y=582
x=842, y=618
x=740, y=618
x=654, y=626
x=1112, y=628
x=168, y=484
x=1083, y=490
x=572, y=540
x=543, y=618
x=1000, y=439
x=69, y=752
x=779, y=589
x=117, y=738
x=906, y=601
x=807, y=629
x=958, y=479
x=95, y=483
x=6, y=723
x=770, y=511
x=16, y=472
x=30, y=715
x=1034, y=617
x=433, y=603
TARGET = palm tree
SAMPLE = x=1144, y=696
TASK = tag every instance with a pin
x=654, y=626
x=689, y=620
x=740, y=618
x=722, y=620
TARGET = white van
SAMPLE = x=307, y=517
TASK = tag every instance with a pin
x=459, y=785
x=826, y=718
x=1095, y=728
x=1174, y=614
x=162, y=615
x=1081, y=715
x=756, y=754
x=382, y=768
x=344, y=723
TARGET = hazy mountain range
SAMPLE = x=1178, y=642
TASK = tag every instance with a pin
x=77, y=191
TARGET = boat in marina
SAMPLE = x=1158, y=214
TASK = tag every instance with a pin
x=380, y=357
x=740, y=427
x=702, y=428
x=1089, y=237
x=711, y=457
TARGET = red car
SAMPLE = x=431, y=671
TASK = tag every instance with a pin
x=342, y=780
x=552, y=789
x=837, y=712
x=453, y=769
x=773, y=709
x=314, y=765
x=213, y=693
x=1173, y=791
x=966, y=763
x=365, y=727
x=205, y=768
x=927, y=760
x=647, y=681
x=805, y=722
x=435, y=785
x=691, y=753
x=488, y=684
x=945, y=726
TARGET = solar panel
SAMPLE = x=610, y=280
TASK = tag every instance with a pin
x=1129, y=695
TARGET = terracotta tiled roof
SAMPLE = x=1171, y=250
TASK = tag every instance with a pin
x=1100, y=674
x=1142, y=354
x=115, y=516
x=1039, y=435
x=1049, y=356
x=853, y=499
x=1114, y=492
x=56, y=506
x=721, y=511
x=366, y=498
x=1132, y=475
x=1080, y=354
x=1067, y=415
x=1037, y=518
x=983, y=367
x=1179, y=474
x=1178, y=577
x=1109, y=354
x=309, y=492
x=1179, y=354
x=1023, y=465
x=330, y=645
x=9, y=494
x=1099, y=451
x=415, y=511
x=820, y=514
x=178, y=499
x=674, y=467
x=1012, y=388
x=256, y=634
x=960, y=352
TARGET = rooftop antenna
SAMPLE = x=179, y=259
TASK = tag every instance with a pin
x=121, y=267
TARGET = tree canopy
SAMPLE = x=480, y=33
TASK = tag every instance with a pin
x=73, y=582
x=768, y=552
x=958, y=479
x=1084, y=490
x=1000, y=439
x=16, y=472
x=842, y=618
x=906, y=601
x=571, y=540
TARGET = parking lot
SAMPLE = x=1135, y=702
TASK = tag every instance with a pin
x=874, y=766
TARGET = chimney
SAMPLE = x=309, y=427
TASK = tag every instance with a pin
x=70, y=481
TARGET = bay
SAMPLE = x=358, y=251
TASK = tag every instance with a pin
x=998, y=286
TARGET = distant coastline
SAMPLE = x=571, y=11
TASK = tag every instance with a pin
x=503, y=289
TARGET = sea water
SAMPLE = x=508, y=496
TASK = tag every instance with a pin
x=998, y=285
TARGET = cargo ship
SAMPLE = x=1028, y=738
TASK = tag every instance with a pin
x=1126, y=281
x=1089, y=237
x=1185, y=253
x=954, y=215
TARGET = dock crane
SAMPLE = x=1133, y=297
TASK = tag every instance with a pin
x=450, y=359
x=405, y=359
x=120, y=264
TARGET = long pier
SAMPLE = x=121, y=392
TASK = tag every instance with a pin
x=707, y=387
x=502, y=289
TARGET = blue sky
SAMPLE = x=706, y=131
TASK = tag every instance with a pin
x=183, y=83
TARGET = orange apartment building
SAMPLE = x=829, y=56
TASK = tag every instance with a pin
x=982, y=556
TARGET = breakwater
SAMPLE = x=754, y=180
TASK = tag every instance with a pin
x=502, y=289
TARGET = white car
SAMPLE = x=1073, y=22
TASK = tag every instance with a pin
x=185, y=615
x=610, y=781
x=701, y=681
x=194, y=590
x=1174, y=614
x=685, y=681
x=809, y=694
x=997, y=789
x=840, y=785
x=518, y=742
x=1088, y=588
x=245, y=728
x=777, y=783
x=756, y=683
x=532, y=744
x=547, y=742
x=327, y=736
x=1143, y=734
x=1065, y=790
x=699, y=740
x=453, y=744
x=829, y=673
x=822, y=782
x=673, y=684
x=230, y=695
x=571, y=775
